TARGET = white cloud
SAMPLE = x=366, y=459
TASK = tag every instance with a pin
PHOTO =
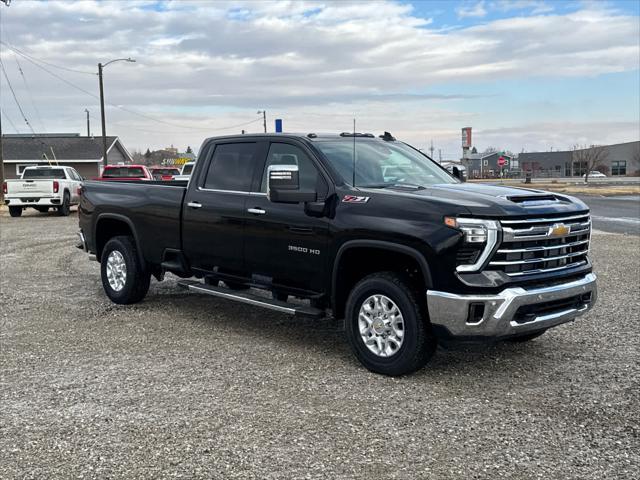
x=317, y=64
x=476, y=10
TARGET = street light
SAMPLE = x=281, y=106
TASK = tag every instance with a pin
x=104, y=127
x=264, y=118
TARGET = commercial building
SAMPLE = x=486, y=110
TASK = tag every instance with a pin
x=621, y=159
x=69, y=149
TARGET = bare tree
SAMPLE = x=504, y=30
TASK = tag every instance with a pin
x=589, y=158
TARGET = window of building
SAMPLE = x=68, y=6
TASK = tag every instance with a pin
x=619, y=167
x=231, y=167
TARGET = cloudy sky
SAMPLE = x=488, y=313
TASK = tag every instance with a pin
x=525, y=74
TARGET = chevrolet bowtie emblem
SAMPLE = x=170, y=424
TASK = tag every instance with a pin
x=558, y=230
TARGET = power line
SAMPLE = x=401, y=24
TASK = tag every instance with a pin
x=10, y=121
x=26, y=86
x=132, y=112
x=26, y=55
x=15, y=97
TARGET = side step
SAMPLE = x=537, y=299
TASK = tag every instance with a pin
x=248, y=298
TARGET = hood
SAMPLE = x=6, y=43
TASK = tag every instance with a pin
x=497, y=201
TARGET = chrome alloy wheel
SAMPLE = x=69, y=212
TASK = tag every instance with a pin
x=116, y=270
x=381, y=325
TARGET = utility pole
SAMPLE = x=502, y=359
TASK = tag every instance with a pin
x=431, y=149
x=6, y=2
x=264, y=119
x=88, y=126
x=439, y=155
x=104, y=125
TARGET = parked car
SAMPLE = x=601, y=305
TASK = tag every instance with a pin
x=42, y=188
x=125, y=172
x=595, y=174
x=407, y=262
x=164, y=173
x=185, y=173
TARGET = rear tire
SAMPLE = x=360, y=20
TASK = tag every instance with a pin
x=124, y=278
x=15, y=211
x=399, y=315
x=65, y=209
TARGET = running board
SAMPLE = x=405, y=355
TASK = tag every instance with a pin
x=250, y=299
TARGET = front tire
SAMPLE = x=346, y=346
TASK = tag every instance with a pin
x=387, y=325
x=124, y=278
x=15, y=211
x=65, y=209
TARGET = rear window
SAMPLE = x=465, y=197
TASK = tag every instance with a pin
x=122, y=172
x=187, y=169
x=166, y=171
x=44, y=173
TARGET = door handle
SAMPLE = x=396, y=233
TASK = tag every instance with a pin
x=256, y=211
x=194, y=205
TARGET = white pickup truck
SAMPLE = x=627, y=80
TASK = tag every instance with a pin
x=43, y=188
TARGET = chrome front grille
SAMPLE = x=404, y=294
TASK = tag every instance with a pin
x=541, y=245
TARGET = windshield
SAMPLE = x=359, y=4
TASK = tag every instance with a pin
x=121, y=172
x=380, y=163
x=44, y=173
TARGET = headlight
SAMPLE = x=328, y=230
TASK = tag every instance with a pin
x=480, y=237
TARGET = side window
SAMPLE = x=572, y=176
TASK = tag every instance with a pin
x=75, y=175
x=231, y=167
x=285, y=154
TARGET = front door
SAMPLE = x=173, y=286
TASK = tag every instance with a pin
x=283, y=243
x=214, y=208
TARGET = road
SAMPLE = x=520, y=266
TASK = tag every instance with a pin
x=619, y=214
x=189, y=386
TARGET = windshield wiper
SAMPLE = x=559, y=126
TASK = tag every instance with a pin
x=394, y=184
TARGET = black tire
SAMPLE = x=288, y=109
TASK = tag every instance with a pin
x=65, y=209
x=236, y=286
x=15, y=211
x=136, y=284
x=42, y=209
x=525, y=338
x=419, y=343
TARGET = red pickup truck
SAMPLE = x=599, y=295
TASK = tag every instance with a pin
x=125, y=172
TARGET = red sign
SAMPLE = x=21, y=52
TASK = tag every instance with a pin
x=502, y=161
x=466, y=137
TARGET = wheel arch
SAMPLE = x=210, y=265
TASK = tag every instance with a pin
x=109, y=225
x=401, y=256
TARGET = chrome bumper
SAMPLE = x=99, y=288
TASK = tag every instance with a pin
x=82, y=245
x=498, y=315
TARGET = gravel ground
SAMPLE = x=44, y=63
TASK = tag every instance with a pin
x=195, y=387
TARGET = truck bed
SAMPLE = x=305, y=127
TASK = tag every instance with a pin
x=153, y=209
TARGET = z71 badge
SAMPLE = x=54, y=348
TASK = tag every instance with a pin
x=354, y=199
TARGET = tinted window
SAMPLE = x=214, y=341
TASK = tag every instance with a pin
x=231, y=167
x=166, y=171
x=121, y=172
x=187, y=169
x=285, y=154
x=45, y=173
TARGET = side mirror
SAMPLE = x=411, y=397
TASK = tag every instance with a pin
x=284, y=185
x=458, y=173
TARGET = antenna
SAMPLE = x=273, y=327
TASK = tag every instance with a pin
x=354, y=152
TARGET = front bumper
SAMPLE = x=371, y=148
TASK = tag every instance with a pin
x=512, y=312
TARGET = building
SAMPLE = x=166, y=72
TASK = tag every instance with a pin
x=486, y=165
x=69, y=149
x=621, y=159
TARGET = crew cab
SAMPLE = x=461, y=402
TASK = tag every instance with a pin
x=125, y=172
x=42, y=188
x=185, y=173
x=362, y=228
x=164, y=173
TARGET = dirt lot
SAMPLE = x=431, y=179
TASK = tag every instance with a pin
x=196, y=387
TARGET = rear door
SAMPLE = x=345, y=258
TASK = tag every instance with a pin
x=284, y=244
x=214, y=209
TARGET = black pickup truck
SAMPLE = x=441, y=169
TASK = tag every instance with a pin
x=366, y=229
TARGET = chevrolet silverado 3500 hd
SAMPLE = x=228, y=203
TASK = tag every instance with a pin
x=367, y=229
